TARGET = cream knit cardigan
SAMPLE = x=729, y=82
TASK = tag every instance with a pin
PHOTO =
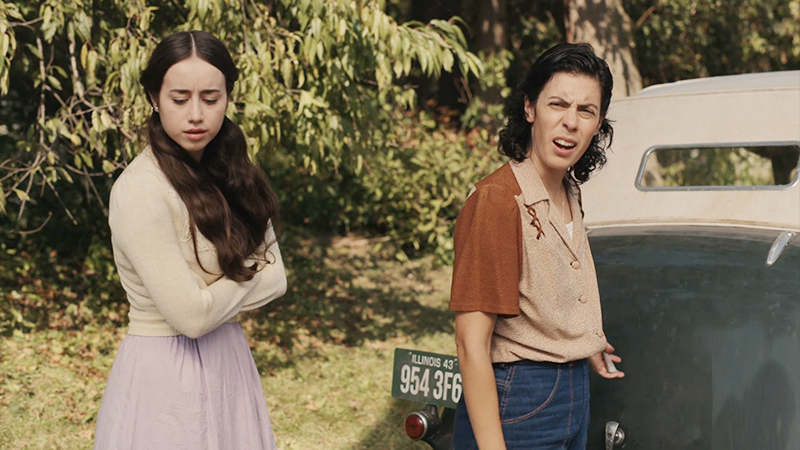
x=169, y=293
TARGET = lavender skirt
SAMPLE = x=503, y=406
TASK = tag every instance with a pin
x=180, y=393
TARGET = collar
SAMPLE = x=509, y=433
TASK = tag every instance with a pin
x=534, y=192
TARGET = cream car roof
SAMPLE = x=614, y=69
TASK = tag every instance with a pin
x=751, y=108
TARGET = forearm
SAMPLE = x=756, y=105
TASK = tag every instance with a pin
x=480, y=394
x=271, y=285
x=271, y=277
x=474, y=332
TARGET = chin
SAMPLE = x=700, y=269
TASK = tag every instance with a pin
x=560, y=165
x=193, y=146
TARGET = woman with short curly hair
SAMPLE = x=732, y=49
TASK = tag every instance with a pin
x=528, y=318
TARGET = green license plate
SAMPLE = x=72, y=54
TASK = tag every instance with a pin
x=426, y=377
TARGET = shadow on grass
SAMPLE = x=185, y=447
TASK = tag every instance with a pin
x=343, y=292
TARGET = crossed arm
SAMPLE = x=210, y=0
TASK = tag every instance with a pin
x=149, y=248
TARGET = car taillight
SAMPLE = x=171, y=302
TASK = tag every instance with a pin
x=416, y=426
x=423, y=424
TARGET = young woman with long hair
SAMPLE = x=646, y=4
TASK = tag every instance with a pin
x=528, y=320
x=192, y=228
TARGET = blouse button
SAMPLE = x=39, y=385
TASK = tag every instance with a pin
x=582, y=299
x=575, y=265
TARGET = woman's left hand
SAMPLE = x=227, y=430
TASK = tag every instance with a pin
x=599, y=365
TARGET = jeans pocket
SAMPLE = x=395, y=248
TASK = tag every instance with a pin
x=525, y=390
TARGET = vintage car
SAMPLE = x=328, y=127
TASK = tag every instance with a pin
x=693, y=226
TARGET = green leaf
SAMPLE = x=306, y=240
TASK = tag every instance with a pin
x=22, y=195
x=401, y=256
x=54, y=82
x=106, y=120
x=5, y=43
x=108, y=167
x=87, y=159
x=34, y=50
x=448, y=61
x=286, y=72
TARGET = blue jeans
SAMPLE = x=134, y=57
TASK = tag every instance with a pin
x=543, y=406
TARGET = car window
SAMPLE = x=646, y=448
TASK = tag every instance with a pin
x=720, y=166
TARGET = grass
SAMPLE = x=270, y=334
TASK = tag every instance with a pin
x=324, y=352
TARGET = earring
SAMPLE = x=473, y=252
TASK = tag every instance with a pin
x=155, y=108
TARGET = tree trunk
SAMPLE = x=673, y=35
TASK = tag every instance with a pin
x=606, y=26
x=445, y=91
x=491, y=36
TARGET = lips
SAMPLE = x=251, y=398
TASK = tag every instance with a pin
x=564, y=146
x=195, y=134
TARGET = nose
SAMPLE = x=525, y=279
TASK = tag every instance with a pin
x=196, y=112
x=571, y=119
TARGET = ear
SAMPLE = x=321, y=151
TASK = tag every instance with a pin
x=530, y=110
x=599, y=124
x=153, y=99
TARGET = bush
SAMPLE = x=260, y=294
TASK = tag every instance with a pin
x=319, y=81
x=410, y=189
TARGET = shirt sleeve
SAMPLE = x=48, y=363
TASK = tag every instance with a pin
x=271, y=276
x=488, y=253
x=142, y=229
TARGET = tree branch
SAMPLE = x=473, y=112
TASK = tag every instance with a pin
x=25, y=24
x=39, y=228
x=645, y=15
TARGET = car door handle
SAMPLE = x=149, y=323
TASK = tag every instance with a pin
x=614, y=435
x=777, y=247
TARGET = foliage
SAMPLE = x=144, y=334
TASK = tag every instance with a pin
x=536, y=27
x=410, y=190
x=41, y=288
x=318, y=84
x=320, y=97
x=679, y=39
x=721, y=166
x=480, y=113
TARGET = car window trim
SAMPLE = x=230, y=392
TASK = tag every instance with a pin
x=779, y=187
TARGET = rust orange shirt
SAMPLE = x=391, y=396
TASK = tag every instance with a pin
x=538, y=280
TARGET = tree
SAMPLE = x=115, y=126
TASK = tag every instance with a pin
x=446, y=91
x=606, y=26
x=491, y=38
x=679, y=39
x=317, y=91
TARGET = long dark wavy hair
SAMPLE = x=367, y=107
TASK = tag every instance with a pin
x=580, y=59
x=228, y=197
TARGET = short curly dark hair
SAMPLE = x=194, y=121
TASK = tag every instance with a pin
x=515, y=136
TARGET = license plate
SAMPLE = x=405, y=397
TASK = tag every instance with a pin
x=426, y=377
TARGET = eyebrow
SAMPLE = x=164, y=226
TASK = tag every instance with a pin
x=583, y=105
x=187, y=91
